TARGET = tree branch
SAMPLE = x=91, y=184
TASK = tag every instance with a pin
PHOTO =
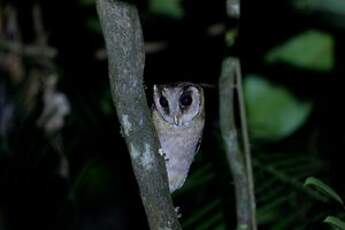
x=233, y=8
x=246, y=143
x=237, y=161
x=32, y=51
x=125, y=48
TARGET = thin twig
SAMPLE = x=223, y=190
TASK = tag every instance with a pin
x=125, y=48
x=12, y=30
x=246, y=142
x=41, y=37
x=31, y=51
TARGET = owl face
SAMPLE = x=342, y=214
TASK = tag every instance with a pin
x=178, y=104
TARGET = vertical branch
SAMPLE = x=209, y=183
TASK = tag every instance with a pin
x=41, y=38
x=41, y=49
x=12, y=33
x=231, y=73
x=125, y=49
x=246, y=143
x=229, y=134
x=53, y=114
x=233, y=8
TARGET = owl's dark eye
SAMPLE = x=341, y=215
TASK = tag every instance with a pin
x=186, y=100
x=163, y=101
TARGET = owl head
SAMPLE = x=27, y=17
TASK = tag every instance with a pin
x=180, y=103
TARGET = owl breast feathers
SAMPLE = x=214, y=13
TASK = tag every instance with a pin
x=179, y=117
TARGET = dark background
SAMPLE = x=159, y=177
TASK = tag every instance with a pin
x=100, y=191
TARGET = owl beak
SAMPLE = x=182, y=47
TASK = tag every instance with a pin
x=176, y=120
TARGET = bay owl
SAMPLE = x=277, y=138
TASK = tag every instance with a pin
x=178, y=116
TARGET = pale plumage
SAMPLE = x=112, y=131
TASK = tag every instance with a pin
x=179, y=117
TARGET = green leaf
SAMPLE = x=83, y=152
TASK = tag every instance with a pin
x=323, y=188
x=170, y=8
x=273, y=111
x=336, y=7
x=313, y=50
x=331, y=12
x=335, y=222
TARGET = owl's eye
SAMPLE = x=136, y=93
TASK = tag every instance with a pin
x=163, y=101
x=186, y=100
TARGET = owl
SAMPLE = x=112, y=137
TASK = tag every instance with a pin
x=178, y=115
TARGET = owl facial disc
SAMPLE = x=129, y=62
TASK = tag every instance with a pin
x=178, y=104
